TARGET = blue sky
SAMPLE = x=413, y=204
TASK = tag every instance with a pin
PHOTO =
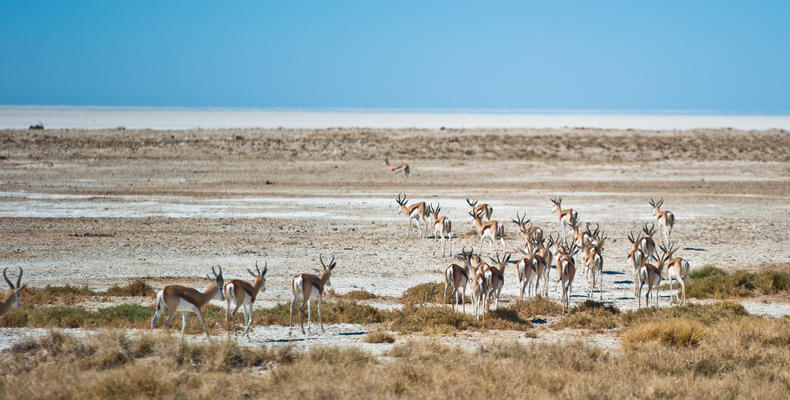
x=719, y=56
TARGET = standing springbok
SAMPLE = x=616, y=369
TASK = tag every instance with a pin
x=495, y=277
x=666, y=220
x=243, y=295
x=651, y=275
x=527, y=270
x=11, y=298
x=455, y=278
x=676, y=269
x=177, y=298
x=305, y=286
x=475, y=208
x=414, y=212
x=492, y=230
x=479, y=288
x=530, y=233
x=593, y=260
x=566, y=268
x=442, y=227
x=397, y=169
x=648, y=244
x=636, y=257
x=545, y=253
x=565, y=216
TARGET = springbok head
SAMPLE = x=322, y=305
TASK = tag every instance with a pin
x=260, y=276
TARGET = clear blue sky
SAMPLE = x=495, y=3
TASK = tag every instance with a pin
x=725, y=56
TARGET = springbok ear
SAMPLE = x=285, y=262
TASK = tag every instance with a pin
x=265, y=269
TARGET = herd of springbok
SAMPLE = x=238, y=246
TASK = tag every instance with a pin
x=539, y=254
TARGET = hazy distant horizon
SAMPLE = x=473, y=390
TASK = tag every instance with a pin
x=179, y=118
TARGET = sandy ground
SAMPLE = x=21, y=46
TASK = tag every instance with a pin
x=98, y=208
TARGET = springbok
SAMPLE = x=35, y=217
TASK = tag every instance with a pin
x=455, y=279
x=651, y=275
x=414, y=212
x=527, y=270
x=666, y=220
x=566, y=268
x=647, y=244
x=677, y=269
x=545, y=253
x=397, y=169
x=305, y=286
x=492, y=230
x=593, y=260
x=530, y=233
x=442, y=227
x=243, y=295
x=475, y=208
x=479, y=288
x=11, y=297
x=177, y=298
x=495, y=277
x=636, y=257
x=565, y=216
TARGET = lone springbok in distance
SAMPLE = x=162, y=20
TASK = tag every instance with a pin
x=397, y=169
x=176, y=298
x=243, y=294
x=305, y=286
x=666, y=220
x=636, y=257
x=492, y=230
x=455, y=278
x=651, y=275
x=565, y=216
x=11, y=297
x=475, y=208
x=648, y=244
x=566, y=267
x=527, y=270
x=676, y=269
x=593, y=260
x=529, y=233
x=442, y=227
x=414, y=212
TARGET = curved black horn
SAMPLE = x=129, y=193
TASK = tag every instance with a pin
x=11, y=285
x=19, y=279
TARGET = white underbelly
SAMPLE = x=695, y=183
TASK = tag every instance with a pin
x=185, y=306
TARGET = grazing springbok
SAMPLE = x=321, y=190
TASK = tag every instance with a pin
x=651, y=275
x=177, y=298
x=495, y=277
x=636, y=257
x=397, y=169
x=565, y=216
x=11, y=297
x=243, y=295
x=527, y=270
x=593, y=260
x=455, y=279
x=492, y=230
x=475, y=208
x=566, y=268
x=530, y=233
x=304, y=287
x=442, y=227
x=677, y=269
x=414, y=212
x=666, y=220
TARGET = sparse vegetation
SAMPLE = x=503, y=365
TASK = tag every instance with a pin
x=378, y=337
x=354, y=295
x=590, y=315
x=711, y=282
x=67, y=295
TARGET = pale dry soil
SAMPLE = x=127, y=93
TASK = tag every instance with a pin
x=99, y=208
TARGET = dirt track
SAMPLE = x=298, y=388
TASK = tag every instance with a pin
x=100, y=207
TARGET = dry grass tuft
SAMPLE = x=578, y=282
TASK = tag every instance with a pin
x=677, y=332
x=354, y=295
x=443, y=320
x=711, y=282
x=378, y=337
x=590, y=315
x=66, y=295
x=138, y=288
